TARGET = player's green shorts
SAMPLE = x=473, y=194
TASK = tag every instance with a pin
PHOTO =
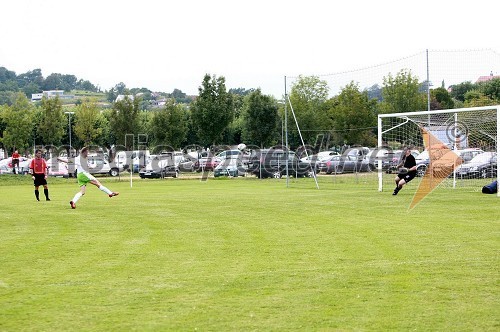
x=84, y=179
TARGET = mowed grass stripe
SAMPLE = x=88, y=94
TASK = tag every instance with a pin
x=241, y=254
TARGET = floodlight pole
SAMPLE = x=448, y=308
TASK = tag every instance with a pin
x=498, y=148
x=286, y=136
x=69, y=130
x=428, y=82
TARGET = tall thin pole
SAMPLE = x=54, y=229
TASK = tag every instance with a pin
x=69, y=127
x=428, y=82
x=380, y=144
x=302, y=139
x=286, y=136
x=69, y=130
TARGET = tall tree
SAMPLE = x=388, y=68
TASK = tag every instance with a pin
x=33, y=76
x=260, y=119
x=125, y=121
x=6, y=75
x=18, y=120
x=213, y=110
x=85, y=85
x=308, y=96
x=491, y=89
x=441, y=99
x=69, y=82
x=476, y=98
x=458, y=91
x=51, y=127
x=53, y=82
x=169, y=126
x=354, y=116
x=401, y=94
x=87, y=127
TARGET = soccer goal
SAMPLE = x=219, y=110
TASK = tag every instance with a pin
x=453, y=148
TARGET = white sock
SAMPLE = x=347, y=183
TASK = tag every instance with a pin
x=77, y=197
x=106, y=190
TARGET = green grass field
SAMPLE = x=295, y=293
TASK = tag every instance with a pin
x=247, y=254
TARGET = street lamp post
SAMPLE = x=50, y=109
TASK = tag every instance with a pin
x=69, y=130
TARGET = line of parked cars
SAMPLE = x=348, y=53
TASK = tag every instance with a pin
x=6, y=166
x=263, y=163
x=275, y=163
x=474, y=163
x=168, y=164
x=483, y=165
x=62, y=166
x=446, y=161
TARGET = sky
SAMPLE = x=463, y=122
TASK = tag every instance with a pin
x=167, y=45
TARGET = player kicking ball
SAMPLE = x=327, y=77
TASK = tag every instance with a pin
x=407, y=170
x=84, y=178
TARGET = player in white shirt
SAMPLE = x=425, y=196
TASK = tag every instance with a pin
x=84, y=178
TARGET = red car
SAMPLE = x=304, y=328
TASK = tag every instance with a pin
x=207, y=164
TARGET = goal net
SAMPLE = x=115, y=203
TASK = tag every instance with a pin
x=453, y=148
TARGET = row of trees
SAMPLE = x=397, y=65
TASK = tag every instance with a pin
x=221, y=117
x=34, y=82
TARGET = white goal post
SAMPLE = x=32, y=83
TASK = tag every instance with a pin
x=462, y=133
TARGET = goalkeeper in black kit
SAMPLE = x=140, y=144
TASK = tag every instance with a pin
x=407, y=170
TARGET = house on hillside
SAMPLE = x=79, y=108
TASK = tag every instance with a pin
x=487, y=78
x=36, y=96
x=122, y=97
x=50, y=94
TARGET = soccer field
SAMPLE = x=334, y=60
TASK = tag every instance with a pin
x=247, y=254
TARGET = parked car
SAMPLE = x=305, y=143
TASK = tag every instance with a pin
x=443, y=160
x=265, y=163
x=393, y=159
x=314, y=158
x=160, y=166
x=343, y=164
x=230, y=167
x=243, y=156
x=228, y=154
x=206, y=164
x=483, y=166
x=57, y=168
x=6, y=166
x=97, y=164
x=184, y=162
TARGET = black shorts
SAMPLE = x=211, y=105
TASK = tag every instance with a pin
x=40, y=180
x=407, y=176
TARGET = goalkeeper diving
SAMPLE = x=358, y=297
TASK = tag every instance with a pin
x=407, y=170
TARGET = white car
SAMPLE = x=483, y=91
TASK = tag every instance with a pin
x=483, y=166
x=97, y=164
x=6, y=165
x=230, y=167
x=320, y=156
x=58, y=168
